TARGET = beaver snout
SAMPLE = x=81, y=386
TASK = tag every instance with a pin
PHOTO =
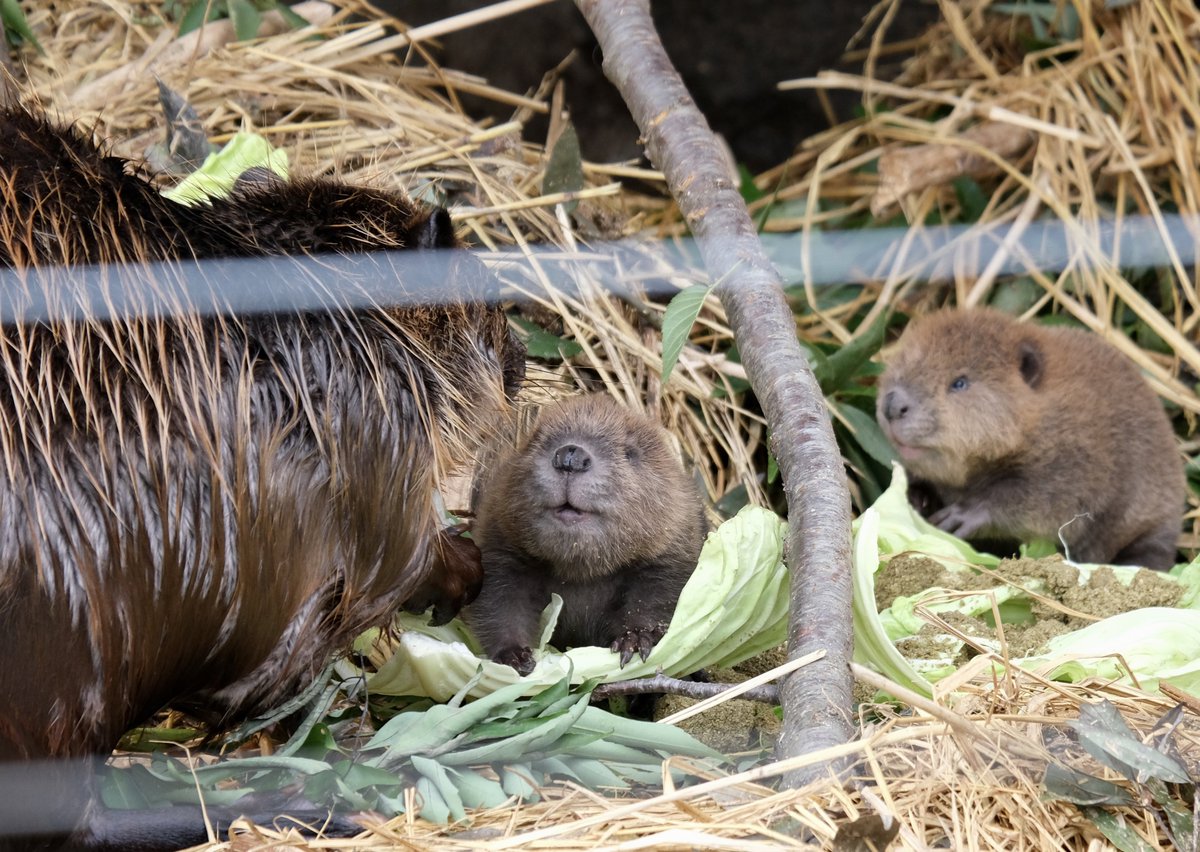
x=571, y=459
x=896, y=404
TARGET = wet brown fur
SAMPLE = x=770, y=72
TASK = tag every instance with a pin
x=1054, y=430
x=202, y=509
x=621, y=570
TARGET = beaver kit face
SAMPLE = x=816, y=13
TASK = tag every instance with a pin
x=1024, y=431
x=958, y=393
x=589, y=483
x=596, y=508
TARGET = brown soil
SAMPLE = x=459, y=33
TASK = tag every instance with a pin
x=1062, y=605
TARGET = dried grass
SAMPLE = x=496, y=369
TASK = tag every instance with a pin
x=1101, y=123
x=1110, y=116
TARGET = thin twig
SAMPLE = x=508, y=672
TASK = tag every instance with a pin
x=680, y=143
x=768, y=694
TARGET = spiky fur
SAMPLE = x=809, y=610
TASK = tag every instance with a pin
x=200, y=509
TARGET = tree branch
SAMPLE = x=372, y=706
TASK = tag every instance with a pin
x=816, y=699
x=766, y=694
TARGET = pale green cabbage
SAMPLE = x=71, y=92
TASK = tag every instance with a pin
x=1154, y=642
x=221, y=169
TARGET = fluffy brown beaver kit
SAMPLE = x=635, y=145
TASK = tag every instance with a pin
x=595, y=507
x=1026, y=431
x=200, y=510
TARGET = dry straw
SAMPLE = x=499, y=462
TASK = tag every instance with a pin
x=1105, y=121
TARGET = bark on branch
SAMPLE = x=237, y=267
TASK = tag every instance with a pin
x=816, y=699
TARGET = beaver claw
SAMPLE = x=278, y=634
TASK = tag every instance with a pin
x=520, y=659
x=454, y=578
x=640, y=640
x=961, y=520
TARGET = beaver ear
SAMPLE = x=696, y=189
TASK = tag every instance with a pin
x=436, y=232
x=1031, y=362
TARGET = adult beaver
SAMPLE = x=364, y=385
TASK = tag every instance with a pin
x=592, y=506
x=1026, y=431
x=200, y=508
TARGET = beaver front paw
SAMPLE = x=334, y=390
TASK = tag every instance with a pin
x=520, y=659
x=454, y=578
x=962, y=519
x=637, y=639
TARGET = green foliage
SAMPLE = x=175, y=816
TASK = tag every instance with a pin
x=748, y=188
x=847, y=376
x=1049, y=21
x=16, y=26
x=1156, y=777
x=458, y=756
x=542, y=344
x=246, y=15
x=971, y=198
x=564, y=170
x=678, y=320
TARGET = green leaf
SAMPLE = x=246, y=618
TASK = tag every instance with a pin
x=15, y=21
x=230, y=768
x=156, y=739
x=543, y=345
x=1180, y=820
x=594, y=774
x=196, y=15
x=358, y=775
x=564, y=170
x=245, y=19
x=866, y=432
x=678, y=320
x=971, y=198
x=1105, y=736
x=433, y=806
x=639, y=734
x=1082, y=789
x=841, y=367
x=555, y=699
x=436, y=775
x=748, y=188
x=439, y=725
x=819, y=362
x=293, y=20
x=517, y=780
x=534, y=739
x=119, y=789
x=734, y=606
x=1119, y=832
x=477, y=791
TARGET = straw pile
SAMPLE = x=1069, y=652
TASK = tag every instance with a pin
x=1102, y=120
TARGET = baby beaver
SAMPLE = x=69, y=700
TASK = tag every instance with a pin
x=595, y=507
x=1025, y=431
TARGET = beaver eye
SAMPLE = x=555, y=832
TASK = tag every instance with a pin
x=959, y=384
x=632, y=454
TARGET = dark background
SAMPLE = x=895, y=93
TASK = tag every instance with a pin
x=731, y=53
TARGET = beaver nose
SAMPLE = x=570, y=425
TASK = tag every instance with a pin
x=895, y=404
x=571, y=459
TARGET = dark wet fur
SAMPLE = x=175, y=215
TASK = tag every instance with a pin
x=201, y=510
x=621, y=580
